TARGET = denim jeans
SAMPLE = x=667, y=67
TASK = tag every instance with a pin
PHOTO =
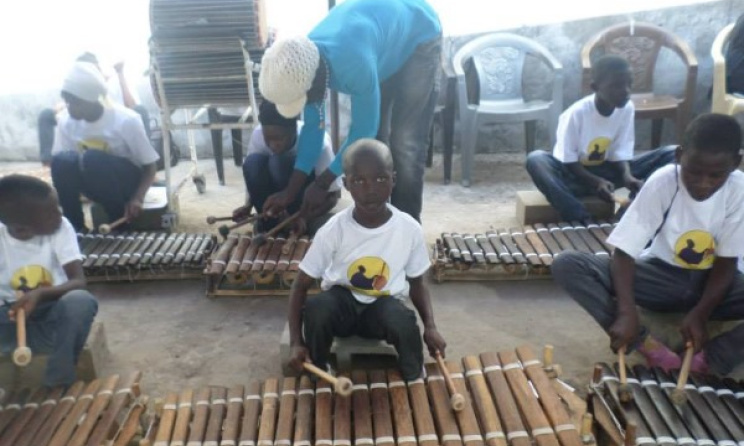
x=106, y=179
x=659, y=287
x=406, y=112
x=57, y=328
x=563, y=189
x=336, y=313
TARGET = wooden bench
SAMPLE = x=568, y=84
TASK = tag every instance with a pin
x=533, y=207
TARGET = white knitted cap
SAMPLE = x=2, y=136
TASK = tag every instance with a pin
x=85, y=81
x=287, y=71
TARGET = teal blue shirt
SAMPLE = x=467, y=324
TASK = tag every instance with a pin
x=364, y=42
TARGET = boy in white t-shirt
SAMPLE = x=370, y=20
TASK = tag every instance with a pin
x=693, y=216
x=595, y=139
x=370, y=256
x=269, y=164
x=100, y=151
x=40, y=259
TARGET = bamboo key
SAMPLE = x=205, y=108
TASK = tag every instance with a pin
x=343, y=386
x=457, y=401
x=679, y=396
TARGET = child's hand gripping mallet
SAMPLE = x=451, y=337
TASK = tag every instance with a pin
x=260, y=239
x=679, y=396
x=22, y=354
x=341, y=385
x=457, y=401
x=106, y=228
x=624, y=392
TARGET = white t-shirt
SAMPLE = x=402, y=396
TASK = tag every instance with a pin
x=586, y=136
x=695, y=232
x=258, y=145
x=372, y=263
x=119, y=131
x=39, y=261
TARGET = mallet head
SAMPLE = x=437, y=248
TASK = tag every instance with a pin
x=458, y=402
x=224, y=231
x=22, y=356
x=211, y=220
x=343, y=386
x=104, y=229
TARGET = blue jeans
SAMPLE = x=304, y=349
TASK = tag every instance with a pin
x=659, y=287
x=57, y=328
x=563, y=189
x=407, y=106
x=106, y=179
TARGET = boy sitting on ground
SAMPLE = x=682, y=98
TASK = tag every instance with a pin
x=595, y=139
x=41, y=263
x=693, y=216
x=370, y=256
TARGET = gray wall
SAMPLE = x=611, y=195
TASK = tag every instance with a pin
x=696, y=24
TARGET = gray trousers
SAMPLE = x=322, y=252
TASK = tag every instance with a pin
x=336, y=313
x=659, y=287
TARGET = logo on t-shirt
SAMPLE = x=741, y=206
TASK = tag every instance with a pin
x=93, y=144
x=596, y=151
x=30, y=277
x=369, y=275
x=695, y=250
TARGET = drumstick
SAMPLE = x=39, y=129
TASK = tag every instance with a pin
x=341, y=385
x=260, y=239
x=22, y=354
x=623, y=390
x=108, y=227
x=212, y=219
x=678, y=394
x=457, y=401
x=225, y=230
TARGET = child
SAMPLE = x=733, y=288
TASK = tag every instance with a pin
x=385, y=246
x=100, y=151
x=593, y=153
x=270, y=162
x=41, y=259
x=693, y=215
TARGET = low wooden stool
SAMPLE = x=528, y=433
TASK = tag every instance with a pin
x=533, y=207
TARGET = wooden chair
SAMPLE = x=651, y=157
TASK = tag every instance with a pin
x=640, y=44
x=723, y=102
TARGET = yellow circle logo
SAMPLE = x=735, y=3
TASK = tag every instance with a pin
x=369, y=275
x=596, y=151
x=695, y=250
x=30, y=277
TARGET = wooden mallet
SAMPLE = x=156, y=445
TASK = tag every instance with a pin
x=225, y=230
x=212, y=219
x=623, y=390
x=106, y=228
x=22, y=354
x=341, y=385
x=260, y=239
x=457, y=401
x=679, y=396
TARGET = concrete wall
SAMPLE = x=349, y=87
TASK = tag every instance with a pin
x=696, y=24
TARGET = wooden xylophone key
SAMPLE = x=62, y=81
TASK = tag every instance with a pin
x=630, y=414
x=183, y=418
x=167, y=420
x=685, y=432
x=13, y=405
x=728, y=394
x=466, y=419
x=132, y=247
x=594, y=245
x=97, y=250
x=128, y=390
x=217, y=410
x=173, y=249
x=269, y=412
x=84, y=240
x=184, y=249
x=91, y=246
x=274, y=253
x=475, y=250
x=543, y=252
x=40, y=418
x=463, y=247
x=203, y=249
x=363, y=434
x=501, y=250
x=65, y=430
x=341, y=419
x=286, y=413
x=565, y=430
x=287, y=252
x=538, y=424
x=194, y=247
x=23, y=417
x=402, y=409
x=453, y=251
x=485, y=408
x=444, y=417
x=131, y=422
x=422, y=417
x=163, y=249
x=547, y=238
x=516, y=434
x=303, y=431
x=113, y=259
x=382, y=420
x=140, y=249
x=718, y=407
x=223, y=253
x=488, y=250
x=606, y=226
x=61, y=409
x=94, y=411
x=599, y=234
x=511, y=246
x=246, y=263
x=261, y=255
x=560, y=237
x=302, y=245
x=232, y=418
x=201, y=416
x=323, y=414
x=577, y=242
x=525, y=247
x=149, y=254
x=237, y=255
x=251, y=414
x=113, y=247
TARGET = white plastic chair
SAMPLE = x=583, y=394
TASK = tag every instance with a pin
x=499, y=61
x=726, y=103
